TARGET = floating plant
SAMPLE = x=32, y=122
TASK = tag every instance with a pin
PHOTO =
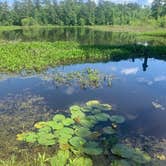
x=87, y=78
x=130, y=153
x=86, y=131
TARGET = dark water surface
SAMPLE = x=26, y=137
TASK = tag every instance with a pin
x=132, y=92
x=138, y=89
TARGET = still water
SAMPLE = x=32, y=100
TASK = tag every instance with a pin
x=138, y=90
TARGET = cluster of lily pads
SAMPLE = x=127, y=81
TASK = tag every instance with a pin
x=86, y=131
x=88, y=77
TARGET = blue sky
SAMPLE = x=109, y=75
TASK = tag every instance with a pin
x=142, y=2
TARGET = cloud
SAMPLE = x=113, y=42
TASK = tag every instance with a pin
x=144, y=80
x=160, y=78
x=70, y=90
x=129, y=71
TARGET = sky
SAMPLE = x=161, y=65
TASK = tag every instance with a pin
x=141, y=2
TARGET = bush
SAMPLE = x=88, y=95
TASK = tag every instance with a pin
x=28, y=21
x=162, y=21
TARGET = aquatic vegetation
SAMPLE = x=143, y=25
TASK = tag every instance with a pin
x=117, y=119
x=127, y=152
x=80, y=133
x=38, y=56
x=81, y=161
x=87, y=78
x=120, y=163
x=60, y=159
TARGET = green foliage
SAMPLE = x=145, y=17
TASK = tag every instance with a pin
x=29, y=21
x=76, y=12
x=117, y=119
x=60, y=159
x=81, y=161
x=120, y=163
x=81, y=135
x=37, y=56
x=127, y=152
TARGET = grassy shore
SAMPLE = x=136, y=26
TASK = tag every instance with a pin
x=147, y=29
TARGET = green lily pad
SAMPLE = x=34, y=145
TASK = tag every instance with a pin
x=46, y=129
x=31, y=137
x=66, y=130
x=45, y=135
x=43, y=141
x=86, y=109
x=88, y=121
x=64, y=134
x=58, y=118
x=68, y=122
x=92, y=148
x=81, y=161
x=120, y=163
x=92, y=102
x=123, y=151
x=75, y=108
x=131, y=153
x=141, y=157
x=103, y=107
x=63, y=140
x=60, y=159
x=77, y=141
x=109, y=130
x=77, y=114
x=55, y=125
x=117, y=119
x=83, y=132
x=39, y=125
x=102, y=117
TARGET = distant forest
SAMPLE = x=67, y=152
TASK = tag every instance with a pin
x=79, y=12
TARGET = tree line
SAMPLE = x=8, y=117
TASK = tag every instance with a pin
x=78, y=12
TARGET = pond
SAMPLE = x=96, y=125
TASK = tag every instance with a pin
x=137, y=91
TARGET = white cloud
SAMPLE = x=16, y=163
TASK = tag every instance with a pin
x=70, y=90
x=129, y=71
x=160, y=78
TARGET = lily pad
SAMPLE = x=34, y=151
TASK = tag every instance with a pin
x=77, y=141
x=39, y=125
x=92, y=102
x=81, y=161
x=117, y=119
x=75, y=108
x=60, y=159
x=27, y=136
x=43, y=141
x=68, y=121
x=86, y=109
x=127, y=152
x=66, y=131
x=102, y=117
x=103, y=107
x=31, y=137
x=55, y=125
x=120, y=163
x=58, y=118
x=92, y=148
x=77, y=115
x=46, y=129
x=86, y=123
x=109, y=130
x=83, y=132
